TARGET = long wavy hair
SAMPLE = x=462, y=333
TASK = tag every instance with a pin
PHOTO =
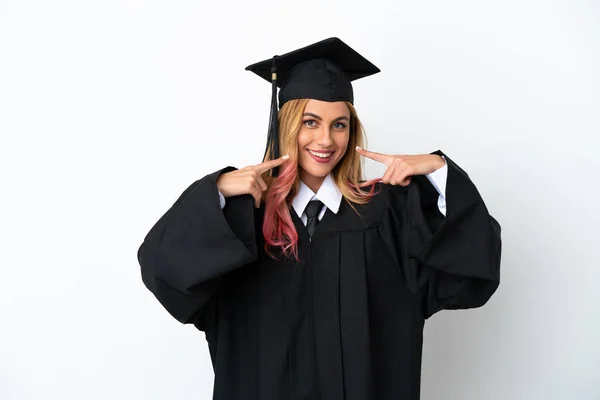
x=278, y=227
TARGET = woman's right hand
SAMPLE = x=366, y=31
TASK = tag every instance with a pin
x=248, y=180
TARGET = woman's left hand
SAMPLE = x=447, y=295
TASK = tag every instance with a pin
x=402, y=167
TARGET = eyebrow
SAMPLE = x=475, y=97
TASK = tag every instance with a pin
x=315, y=116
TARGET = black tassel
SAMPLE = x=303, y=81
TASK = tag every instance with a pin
x=273, y=134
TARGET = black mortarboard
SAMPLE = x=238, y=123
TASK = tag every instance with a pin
x=321, y=71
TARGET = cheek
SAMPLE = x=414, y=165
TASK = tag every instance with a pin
x=342, y=141
x=302, y=139
x=302, y=142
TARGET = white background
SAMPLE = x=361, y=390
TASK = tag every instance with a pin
x=110, y=109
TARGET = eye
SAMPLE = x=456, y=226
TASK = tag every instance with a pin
x=310, y=122
x=339, y=125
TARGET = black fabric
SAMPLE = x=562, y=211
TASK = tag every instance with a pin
x=312, y=213
x=318, y=79
x=344, y=323
x=321, y=71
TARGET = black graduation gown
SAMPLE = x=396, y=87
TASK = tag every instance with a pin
x=347, y=321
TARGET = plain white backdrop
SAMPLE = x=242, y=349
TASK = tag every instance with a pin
x=109, y=110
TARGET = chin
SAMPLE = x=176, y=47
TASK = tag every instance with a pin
x=320, y=174
x=316, y=172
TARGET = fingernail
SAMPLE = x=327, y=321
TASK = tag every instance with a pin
x=286, y=157
x=358, y=148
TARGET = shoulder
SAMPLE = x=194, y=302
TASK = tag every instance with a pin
x=383, y=191
x=384, y=196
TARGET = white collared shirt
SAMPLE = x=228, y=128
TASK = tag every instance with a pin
x=331, y=196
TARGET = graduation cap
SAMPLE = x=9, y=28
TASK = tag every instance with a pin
x=320, y=71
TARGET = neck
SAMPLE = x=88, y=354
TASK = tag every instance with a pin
x=313, y=182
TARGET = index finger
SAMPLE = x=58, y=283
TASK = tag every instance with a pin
x=382, y=158
x=267, y=165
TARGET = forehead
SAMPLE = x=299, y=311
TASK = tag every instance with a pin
x=327, y=108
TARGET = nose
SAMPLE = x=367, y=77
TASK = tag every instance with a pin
x=323, y=138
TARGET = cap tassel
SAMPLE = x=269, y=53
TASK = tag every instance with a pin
x=273, y=134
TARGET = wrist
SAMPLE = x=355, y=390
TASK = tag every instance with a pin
x=440, y=162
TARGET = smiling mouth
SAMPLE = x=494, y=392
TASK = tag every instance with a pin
x=320, y=154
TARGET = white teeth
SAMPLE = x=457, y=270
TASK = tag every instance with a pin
x=321, y=155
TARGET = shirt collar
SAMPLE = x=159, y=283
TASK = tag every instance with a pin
x=328, y=193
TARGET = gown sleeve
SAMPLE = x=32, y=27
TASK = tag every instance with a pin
x=450, y=262
x=193, y=245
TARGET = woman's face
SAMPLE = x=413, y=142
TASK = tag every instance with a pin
x=322, y=140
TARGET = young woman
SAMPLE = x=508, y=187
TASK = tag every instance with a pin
x=309, y=282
